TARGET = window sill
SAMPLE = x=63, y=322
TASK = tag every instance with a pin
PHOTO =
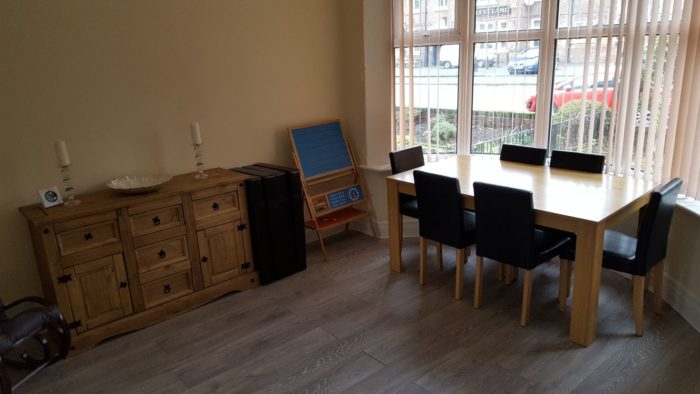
x=689, y=204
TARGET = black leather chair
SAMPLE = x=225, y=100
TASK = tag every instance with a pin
x=441, y=218
x=505, y=232
x=30, y=318
x=523, y=154
x=643, y=254
x=585, y=162
x=405, y=160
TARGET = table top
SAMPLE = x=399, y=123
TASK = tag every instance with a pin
x=580, y=195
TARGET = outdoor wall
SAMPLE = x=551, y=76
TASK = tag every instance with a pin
x=121, y=81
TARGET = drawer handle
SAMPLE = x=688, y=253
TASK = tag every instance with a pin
x=156, y=221
x=88, y=236
x=167, y=289
x=205, y=259
x=215, y=206
x=162, y=254
x=123, y=285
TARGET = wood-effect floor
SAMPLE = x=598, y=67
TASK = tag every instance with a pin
x=350, y=325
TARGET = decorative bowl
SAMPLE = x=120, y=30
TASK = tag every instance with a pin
x=135, y=184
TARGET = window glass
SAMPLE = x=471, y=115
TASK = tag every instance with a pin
x=505, y=77
x=430, y=15
x=435, y=94
x=574, y=13
x=507, y=15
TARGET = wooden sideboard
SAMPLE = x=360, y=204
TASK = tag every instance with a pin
x=117, y=263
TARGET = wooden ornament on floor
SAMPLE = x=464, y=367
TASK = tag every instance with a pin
x=334, y=190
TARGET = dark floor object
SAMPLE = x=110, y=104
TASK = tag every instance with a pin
x=21, y=322
x=275, y=213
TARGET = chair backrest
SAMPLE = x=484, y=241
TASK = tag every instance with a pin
x=523, y=154
x=586, y=162
x=505, y=224
x=652, y=234
x=440, y=212
x=406, y=159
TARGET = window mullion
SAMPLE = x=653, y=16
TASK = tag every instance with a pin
x=545, y=77
x=466, y=80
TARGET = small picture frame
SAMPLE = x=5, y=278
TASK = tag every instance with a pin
x=50, y=197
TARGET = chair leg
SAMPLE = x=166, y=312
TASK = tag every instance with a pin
x=459, y=269
x=423, y=257
x=499, y=273
x=510, y=274
x=438, y=254
x=658, y=287
x=527, y=296
x=564, y=267
x=478, y=281
x=638, y=303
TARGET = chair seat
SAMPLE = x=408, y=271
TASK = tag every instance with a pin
x=549, y=244
x=409, y=206
x=619, y=251
x=25, y=324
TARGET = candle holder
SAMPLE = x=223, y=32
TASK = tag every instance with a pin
x=68, y=190
x=200, y=162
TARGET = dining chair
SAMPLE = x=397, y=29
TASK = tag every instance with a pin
x=584, y=162
x=643, y=254
x=523, y=154
x=405, y=160
x=442, y=219
x=506, y=232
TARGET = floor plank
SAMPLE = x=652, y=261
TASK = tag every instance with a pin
x=350, y=325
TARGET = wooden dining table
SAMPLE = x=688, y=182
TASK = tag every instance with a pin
x=581, y=203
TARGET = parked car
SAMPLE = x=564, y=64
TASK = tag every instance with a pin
x=526, y=62
x=483, y=58
x=573, y=90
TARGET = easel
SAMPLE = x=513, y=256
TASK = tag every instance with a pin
x=334, y=191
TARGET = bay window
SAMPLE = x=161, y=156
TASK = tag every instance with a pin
x=581, y=75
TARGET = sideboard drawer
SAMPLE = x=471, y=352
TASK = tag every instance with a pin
x=216, y=210
x=87, y=237
x=161, y=254
x=166, y=289
x=158, y=220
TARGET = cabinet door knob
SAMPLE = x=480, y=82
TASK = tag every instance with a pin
x=162, y=254
x=123, y=285
x=215, y=206
x=205, y=259
x=167, y=289
x=88, y=236
x=156, y=221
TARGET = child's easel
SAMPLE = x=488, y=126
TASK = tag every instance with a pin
x=333, y=188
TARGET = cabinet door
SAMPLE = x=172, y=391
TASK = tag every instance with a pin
x=98, y=292
x=222, y=252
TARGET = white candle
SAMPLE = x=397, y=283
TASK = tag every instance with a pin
x=196, y=134
x=61, y=153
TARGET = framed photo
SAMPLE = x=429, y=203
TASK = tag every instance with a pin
x=50, y=197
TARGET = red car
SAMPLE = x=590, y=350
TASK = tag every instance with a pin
x=573, y=90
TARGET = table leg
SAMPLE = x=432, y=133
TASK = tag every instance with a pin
x=392, y=192
x=589, y=261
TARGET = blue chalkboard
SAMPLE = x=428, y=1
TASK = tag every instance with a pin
x=321, y=149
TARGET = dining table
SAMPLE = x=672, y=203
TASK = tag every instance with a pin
x=582, y=203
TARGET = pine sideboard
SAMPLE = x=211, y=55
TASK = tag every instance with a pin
x=117, y=263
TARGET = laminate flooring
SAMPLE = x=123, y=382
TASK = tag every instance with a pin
x=350, y=325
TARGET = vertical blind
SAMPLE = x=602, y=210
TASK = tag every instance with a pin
x=637, y=78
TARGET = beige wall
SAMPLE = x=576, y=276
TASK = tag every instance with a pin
x=121, y=81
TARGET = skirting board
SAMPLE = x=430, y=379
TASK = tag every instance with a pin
x=682, y=300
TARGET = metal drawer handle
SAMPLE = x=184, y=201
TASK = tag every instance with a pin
x=156, y=221
x=161, y=254
x=167, y=289
x=215, y=206
x=88, y=236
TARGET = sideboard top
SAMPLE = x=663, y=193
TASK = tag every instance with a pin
x=107, y=199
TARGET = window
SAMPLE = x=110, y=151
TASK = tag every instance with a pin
x=595, y=77
x=416, y=4
x=442, y=4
